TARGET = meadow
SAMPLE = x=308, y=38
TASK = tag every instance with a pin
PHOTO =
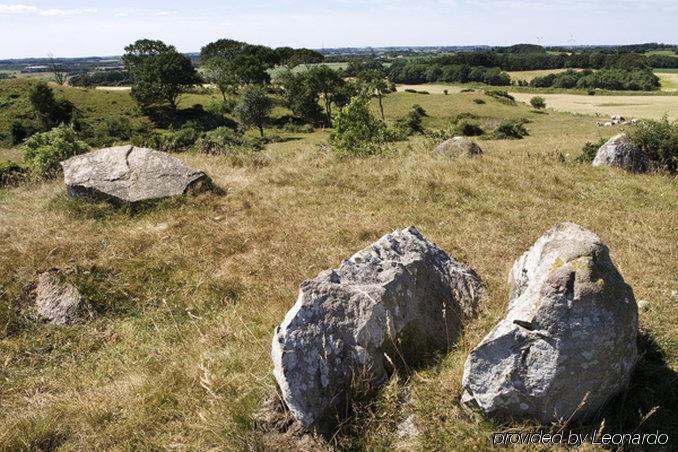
x=184, y=295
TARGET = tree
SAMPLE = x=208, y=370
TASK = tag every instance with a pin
x=301, y=97
x=376, y=83
x=538, y=102
x=162, y=78
x=329, y=84
x=254, y=107
x=142, y=50
x=356, y=130
x=51, y=111
x=57, y=70
x=216, y=59
x=307, y=57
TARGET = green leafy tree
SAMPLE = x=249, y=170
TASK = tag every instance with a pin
x=329, y=84
x=254, y=107
x=301, y=97
x=163, y=78
x=51, y=111
x=356, y=131
x=307, y=57
x=538, y=102
x=142, y=50
x=377, y=83
x=216, y=60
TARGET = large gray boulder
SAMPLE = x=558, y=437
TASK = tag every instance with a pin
x=568, y=341
x=130, y=174
x=620, y=152
x=385, y=308
x=56, y=302
x=458, y=147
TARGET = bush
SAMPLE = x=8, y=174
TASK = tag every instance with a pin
x=500, y=95
x=11, y=173
x=410, y=90
x=219, y=141
x=118, y=127
x=659, y=142
x=20, y=130
x=356, y=131
x=510, y=130
x=478, y=101
x=178, y=140
x=469, y=129
x=297, y=128
x=44, y=151
x=221, y=107
x=412, y=123
x=538, y=102
x=589, y=151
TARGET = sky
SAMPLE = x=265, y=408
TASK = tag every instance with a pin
x=69, y=28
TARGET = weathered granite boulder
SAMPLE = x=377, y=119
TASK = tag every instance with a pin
x=130, y=174
x=568, y=341
x=457, y=147
x=56, y=302
x=385, y=308
x=619, y=151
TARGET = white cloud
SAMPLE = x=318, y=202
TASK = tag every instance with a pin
x=29, y=9
x=167, y=13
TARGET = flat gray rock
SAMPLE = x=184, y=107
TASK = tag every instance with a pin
x=458, y=146
x=568, y=341
x=387, y=307
x=56, y=302
x=620, y=152
x=129, y=174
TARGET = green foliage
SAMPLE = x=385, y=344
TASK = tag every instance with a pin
x=510, y=130
x=51, y=111
x=43, y=151
x=413, y=122
x=589, y=151
x=418, y=72
x=618, y=78
x=222, y=107
x=478, y=101
x=254, y=107
x=178, y=140
x=224, y=140
x=118, y=127
x=160, y=78
x=11, y=172
x=538, y=102
x=659, y=142
x=330, y=86
x=140, y=52
x=502, y=96
x=469, y=129
x=302, y=97
x=356, y=131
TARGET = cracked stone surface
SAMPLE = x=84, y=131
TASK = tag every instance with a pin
x=130, y=174
x=620, y=152
x=458, y=146
x=56, y=302
x=568, y=341
x=386, y=307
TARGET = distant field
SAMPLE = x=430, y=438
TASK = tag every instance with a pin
x=669, y=79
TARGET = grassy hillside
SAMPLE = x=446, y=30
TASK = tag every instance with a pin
x=185, y=295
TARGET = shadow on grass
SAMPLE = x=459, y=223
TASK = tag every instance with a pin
x=650, y=403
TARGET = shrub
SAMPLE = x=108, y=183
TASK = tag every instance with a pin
x=467, y=90
x=297, y=128
x=659, y=142
x=219, y=141
x=118, y=127
x=589, y=151
x=478, y=101
x=538, y=102
x=510, y=130
x=11, y=173
x=423, y=92
x=412, y=123
x=410, y=90
x=500, y=94
x=43, y=151
x=469, y=129
x=221, y=107
x=20, y=130
x=178, y=140
x=357, y=132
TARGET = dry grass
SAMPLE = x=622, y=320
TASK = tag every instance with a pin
x=187, y=293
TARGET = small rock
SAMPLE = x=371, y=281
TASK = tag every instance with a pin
x=568, y=341
x=390, y=304
x=458, y=146
x=56, y=302
x=620, y=152
x=130, y=174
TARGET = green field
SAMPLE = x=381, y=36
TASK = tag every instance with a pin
x=185, y=295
